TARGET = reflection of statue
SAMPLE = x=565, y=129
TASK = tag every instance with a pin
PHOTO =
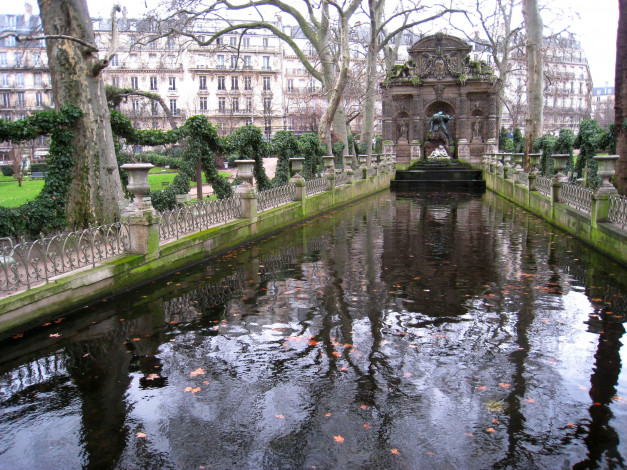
x=403, y=129
x=438, y=122
x=476, y=129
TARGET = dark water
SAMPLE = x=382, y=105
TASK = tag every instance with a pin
x=436, y=332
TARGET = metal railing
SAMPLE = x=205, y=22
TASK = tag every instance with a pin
x=275, y=197
x=194, y=218
x=577, y=196
x=617, y=213
x=543, y=184
x=26, y=264
x=315, y=186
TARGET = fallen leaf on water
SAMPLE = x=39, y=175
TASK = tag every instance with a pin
x=570, y=425
x=47, y=324
x=481, y=387
x=581, y=387
x=152, y=377
x=617, y=398
x=469, y=434
x=430, y=453
x=490, y=430
x=18, y=336
x=279, y=416
x=413, y=346
x=339, y=439
x=367, y=426
x=344, y=369
x=55, y=335
x=336, y=354
x=394, y=451
x=504, y=385
x=140, y=434
x=327, y=415
x=137, y=339
x=196, y=390
x=530, y=400
x=312, y=342
x=206, y=382
x=407, y=374
x=198, y=371
x=495, y=421
x=188, y=389
x=364, y=407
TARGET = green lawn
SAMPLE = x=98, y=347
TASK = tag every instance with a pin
x=11, y=195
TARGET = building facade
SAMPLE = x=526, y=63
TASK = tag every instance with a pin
x=603, y=105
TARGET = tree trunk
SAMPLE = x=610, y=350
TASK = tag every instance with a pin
x=535, y=102
x=620, y=106
x=75, y=73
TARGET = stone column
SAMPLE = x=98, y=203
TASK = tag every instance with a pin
x=297, y=180
x=141, y=217
x=329, y=173
x=246, y=191
x=601, y=197
x=463, y=150
x=348, y=159
x=560, y=178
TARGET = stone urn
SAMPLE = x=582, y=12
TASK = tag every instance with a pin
x=329, y=163
x=606, y=170
x=138, y=182
x=245, y=172
x=297, y=167
x=534, y=160
x=560, y=161
x=348, y=161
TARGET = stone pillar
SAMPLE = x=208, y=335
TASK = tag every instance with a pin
x=601, y=197
x=297, y=180
x=363, y=166
x=348, y=159
x=142, y=218
x=463, y=150
x=329, y=173
x=246, y=191
x=415, y=150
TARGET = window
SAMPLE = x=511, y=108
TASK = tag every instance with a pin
x=267, y=105
x=39, y=99
x=266, y=83
x=21, y=102
x=172, y=83
x=233, y=61
x=249, y=122
x=4, y=79
x=114, y=61
x=6, y=100
x=290, y=85
x=203, y=103
x=136, y=106
x=173, y=109
x=220, y=61
x=265, y=42
x=248, y=83
x=232, y=40
x=235, y=105
x=249, y=105
x=115, y=81
x=19, y=79
x=170, y=44
x=246, y=42
x=219, y=41
x=222, y=105
x=134, y=83
x=153, y=83
x=234, y=83
x=19, y=58
x=202, y=82
x=248, y=62
x=268, y=127
x=312, y=86
x=266, y=62
x=37, y=79
x=154, y=108
x=3, y=59
x=221, y=85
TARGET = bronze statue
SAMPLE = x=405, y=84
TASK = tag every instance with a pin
x=438, y=122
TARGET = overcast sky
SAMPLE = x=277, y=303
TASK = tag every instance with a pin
x=596, y=27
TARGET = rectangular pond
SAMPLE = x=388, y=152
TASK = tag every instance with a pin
x=432, y=331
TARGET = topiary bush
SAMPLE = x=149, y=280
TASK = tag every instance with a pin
x=247, y=142
x=284, y=146
x=7, y=170
x=587, y=141
x=310, y=147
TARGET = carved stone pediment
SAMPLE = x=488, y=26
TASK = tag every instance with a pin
x=439, y=56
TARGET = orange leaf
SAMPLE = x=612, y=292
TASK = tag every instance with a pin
x=348, y=345
x=153, y=377
x=367, y=426
x=188, y=389
x=430, y=453
x=407, y=374
x=495, y=421
x=196, y=390
x=469, y=434
x=18, y=336
x=137, y=339
x=530, y=400
x=394, y=451
x=481, y=387
x=344, y=369
x=312, y=342
x=364, y=407
x=54, y=335
x=206, y=382
x=336, y=354
x=198, y=371
x=327, y=415
x=570, y=425
x=339, y=439
x=504, y=385
x=140, y=434
x=490, y=430
x=279, y=416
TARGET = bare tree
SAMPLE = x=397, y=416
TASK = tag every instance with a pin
x=17, y=162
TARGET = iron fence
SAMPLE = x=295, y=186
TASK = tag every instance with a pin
x=577, y=196
x=194, y=218
x=315, y=186
x=275, y=197
x=25, y=264
x=543, y=184
x=618, y=210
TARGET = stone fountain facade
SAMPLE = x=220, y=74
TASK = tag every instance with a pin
x=440, y=78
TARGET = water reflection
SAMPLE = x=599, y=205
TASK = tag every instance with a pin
x=436, y=331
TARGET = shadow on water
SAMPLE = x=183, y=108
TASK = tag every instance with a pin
x=404, y=331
